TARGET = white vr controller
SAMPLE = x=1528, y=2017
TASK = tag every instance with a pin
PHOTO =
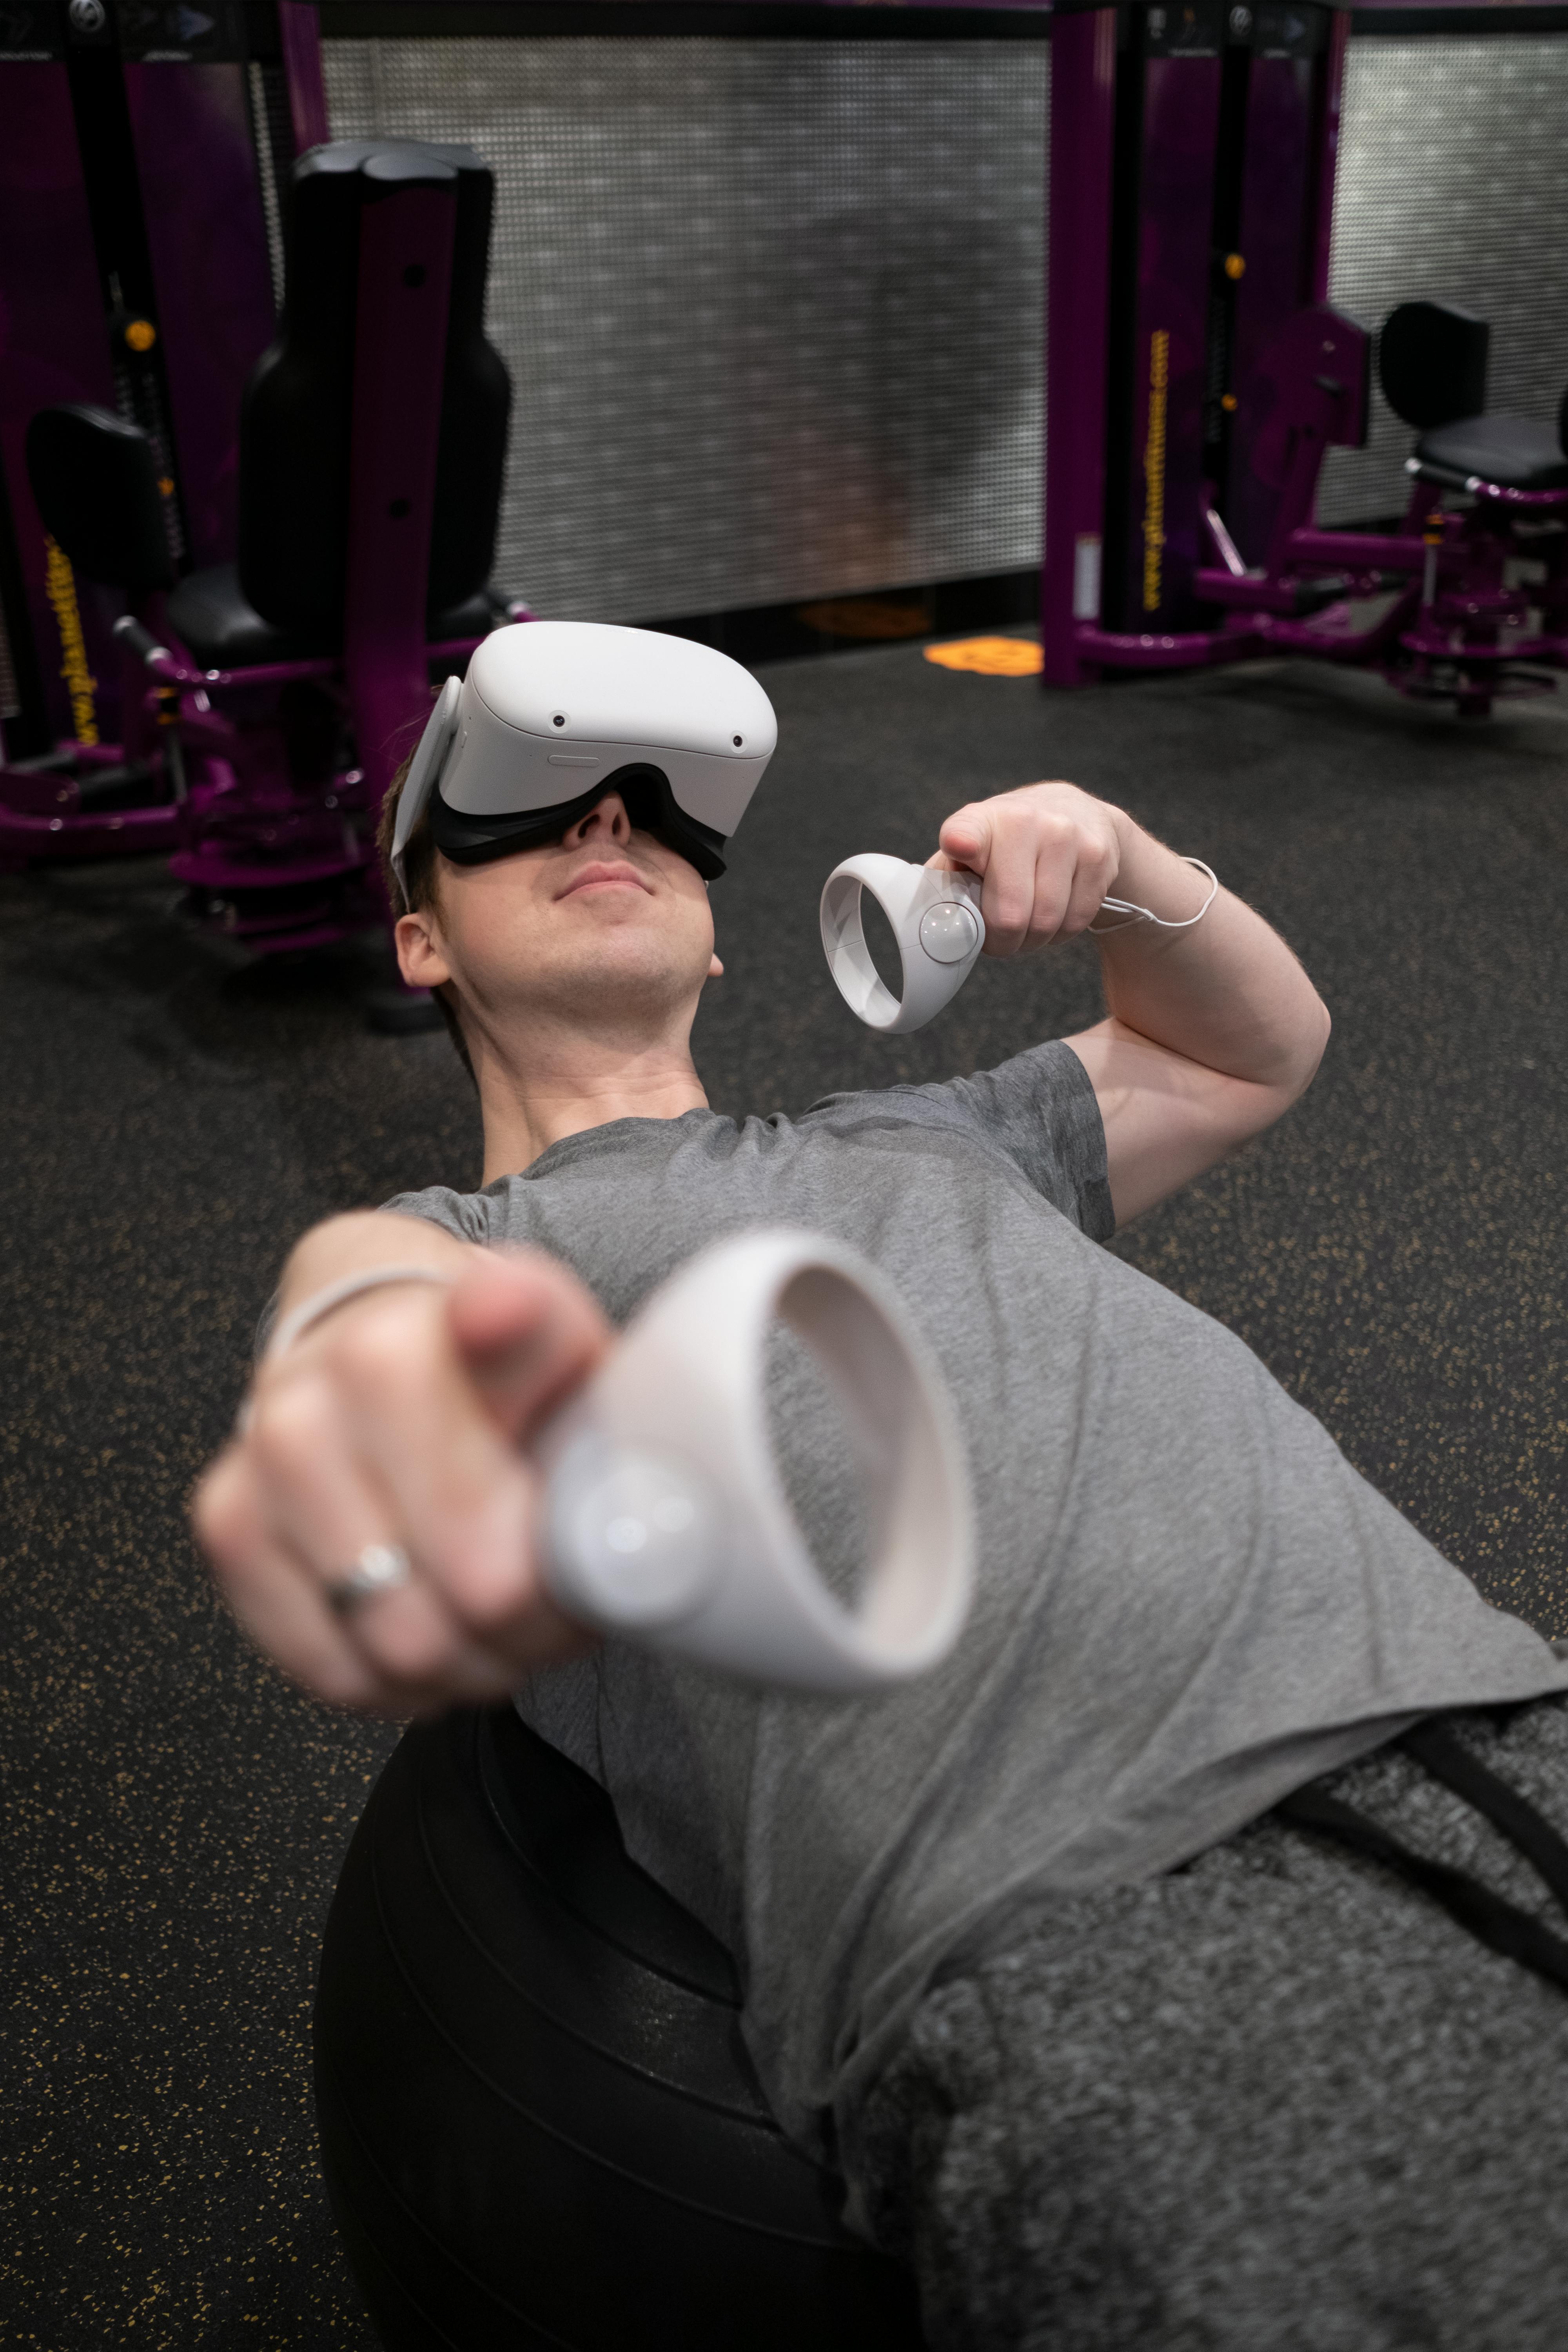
x=665, y=1519
x=936, y=921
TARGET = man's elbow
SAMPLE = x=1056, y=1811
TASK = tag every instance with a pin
x=1297, y=1065
x=1310, y=1046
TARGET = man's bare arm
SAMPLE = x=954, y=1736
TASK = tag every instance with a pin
x=1212, y=1031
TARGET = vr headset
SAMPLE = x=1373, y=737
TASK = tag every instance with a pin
x=555, y=714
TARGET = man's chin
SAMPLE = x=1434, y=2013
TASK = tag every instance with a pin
x=619, y=975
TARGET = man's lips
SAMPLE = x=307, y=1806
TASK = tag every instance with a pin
x=619, y=875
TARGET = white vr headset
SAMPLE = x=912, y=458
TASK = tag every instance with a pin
x=555, y=714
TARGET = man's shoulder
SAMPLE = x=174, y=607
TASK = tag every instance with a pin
x=468, y=1216
x=1043, y=1091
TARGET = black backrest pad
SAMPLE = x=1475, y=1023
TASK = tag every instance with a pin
x=95, y=482
x=1432, y=363
x=295, y=419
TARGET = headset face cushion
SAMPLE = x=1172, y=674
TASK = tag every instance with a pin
x=649, y=803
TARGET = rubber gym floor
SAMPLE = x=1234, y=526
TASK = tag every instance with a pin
x=175, y=1815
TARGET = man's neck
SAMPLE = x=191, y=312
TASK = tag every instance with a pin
x=567, y=1085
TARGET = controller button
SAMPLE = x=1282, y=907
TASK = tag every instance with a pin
x=949, y=931
x=645, y=1540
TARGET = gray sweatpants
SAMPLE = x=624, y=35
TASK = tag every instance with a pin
x=1277, y=2100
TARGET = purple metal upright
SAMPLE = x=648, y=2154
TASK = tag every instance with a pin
x=300, y=30
x=1135, y=109
x=1191, y=193
x=1280, y=240
x=200, y=199
x=52, y=348
x=1083, y=127
x=1160, y=491
x=400, y=349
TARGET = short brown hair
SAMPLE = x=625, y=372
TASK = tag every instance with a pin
x=422, y=868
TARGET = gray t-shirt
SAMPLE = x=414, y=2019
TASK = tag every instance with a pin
x=1187, y=1601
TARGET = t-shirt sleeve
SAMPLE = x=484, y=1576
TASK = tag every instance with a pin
x=467, y=1216
x=1041, y=1109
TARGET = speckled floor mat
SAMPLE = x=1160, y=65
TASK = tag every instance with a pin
x=175, y=1815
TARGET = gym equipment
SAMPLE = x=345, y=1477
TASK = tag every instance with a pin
x=1197, y=373
x=666, y=1519
x=137, y=150
x=936, y=921
x=551, y=716
x=372, y=437
x=538, y=2122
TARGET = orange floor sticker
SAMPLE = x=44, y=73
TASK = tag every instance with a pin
x=991, y=656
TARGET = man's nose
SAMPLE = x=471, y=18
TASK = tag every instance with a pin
x=607, y=819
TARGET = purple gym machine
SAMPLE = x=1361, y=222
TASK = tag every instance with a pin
x=261, y=534
x=1197, y=373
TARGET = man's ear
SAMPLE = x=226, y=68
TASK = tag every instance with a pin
x=715, y=969
x=419, y=955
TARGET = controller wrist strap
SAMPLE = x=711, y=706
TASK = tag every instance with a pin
x=1136, y=914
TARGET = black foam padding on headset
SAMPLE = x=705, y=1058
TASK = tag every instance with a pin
x=539, y=2125
x=650, y=804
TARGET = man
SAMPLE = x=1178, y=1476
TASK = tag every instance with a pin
x=1115, y=2053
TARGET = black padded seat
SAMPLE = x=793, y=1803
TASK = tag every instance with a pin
x=1515, y=452
x=210, y=614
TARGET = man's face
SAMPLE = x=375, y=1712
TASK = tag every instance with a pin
x=607, y=926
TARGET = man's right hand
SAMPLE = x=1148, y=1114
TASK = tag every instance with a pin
x=401, y=1419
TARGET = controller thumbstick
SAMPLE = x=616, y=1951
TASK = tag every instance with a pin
x=936, y=920
x=949, y=931
x=640, y=1531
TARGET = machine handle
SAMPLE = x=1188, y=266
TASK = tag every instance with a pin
x=137, y=638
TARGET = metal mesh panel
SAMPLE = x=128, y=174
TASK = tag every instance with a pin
x=270, y=129
x=774, y=309
x=1453, y=171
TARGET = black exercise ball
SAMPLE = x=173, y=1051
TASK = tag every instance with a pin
x=539, y=2125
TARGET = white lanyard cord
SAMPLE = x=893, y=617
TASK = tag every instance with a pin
x=1147, y=914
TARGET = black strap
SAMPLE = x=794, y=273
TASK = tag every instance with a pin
x=1499, y=1925
x=1449, y=1760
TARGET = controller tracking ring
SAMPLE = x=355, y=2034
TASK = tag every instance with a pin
x=666, y=1518
x=936, y=921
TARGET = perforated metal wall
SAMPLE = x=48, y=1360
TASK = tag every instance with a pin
x=1453, y=184
x=773, y=309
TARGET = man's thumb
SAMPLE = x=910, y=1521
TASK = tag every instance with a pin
x=528, y=1333
x=967, y=838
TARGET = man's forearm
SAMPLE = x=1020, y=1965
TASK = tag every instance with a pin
x=1227, y=993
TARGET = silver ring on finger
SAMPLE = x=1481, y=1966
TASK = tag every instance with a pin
x=380, y=1568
